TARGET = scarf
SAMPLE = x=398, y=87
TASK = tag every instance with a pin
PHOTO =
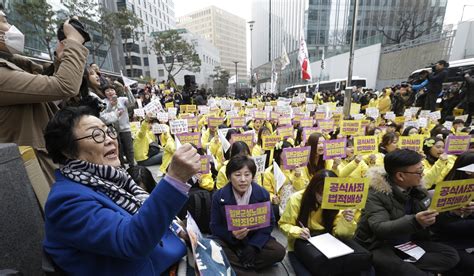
x=116, y=183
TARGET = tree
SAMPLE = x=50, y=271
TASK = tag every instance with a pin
x=221, y=80
x=40, y=16
x=176, y=53
x=407, y=22
x=130, y=26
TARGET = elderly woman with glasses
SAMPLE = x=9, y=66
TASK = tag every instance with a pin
x=98, y=220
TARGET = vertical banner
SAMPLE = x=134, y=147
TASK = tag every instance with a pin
x=295, y=157
x=414, y=142
x=252, y=216
x=457, y=144
x=365, y=145
x=335, y=148
x=345, y=193
x=451, y=195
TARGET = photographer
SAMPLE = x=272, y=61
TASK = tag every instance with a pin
x=26, y=98
x=469, y=90
x=435, y=84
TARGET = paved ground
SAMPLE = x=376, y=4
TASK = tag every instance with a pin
x=282, y=269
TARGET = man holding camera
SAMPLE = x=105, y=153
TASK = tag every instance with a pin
x=435, y=84
x=26, y=98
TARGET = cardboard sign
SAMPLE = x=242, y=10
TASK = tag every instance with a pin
x=345, y=193
x=350, y=127
x=365, y=145
x=283, y=121
x=326, y=125
x=307, y=131
x=205, y=162
x=285, y=131
x=306, y=122
x=139, y=112
x=237, y=122
x=178, y=126
x=457, y=144
x=295, y=157
x=190, y=137
x=335, y=148
x=269, y=141
x=451, y=195
x=414, y=142
x=260, y=162
x=214, y=122
x=159, y=128
x=252, y=216
x=247, y=138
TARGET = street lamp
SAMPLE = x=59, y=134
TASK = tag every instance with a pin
x=251, y=69
x=236, y=78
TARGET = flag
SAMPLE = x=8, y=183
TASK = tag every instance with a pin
x=322, y=61
x=303, y=58
x=274, y=77
x=285, y=60
x=128, y=82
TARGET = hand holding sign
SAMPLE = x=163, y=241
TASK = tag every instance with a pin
x=426, y=218
x=240, y=234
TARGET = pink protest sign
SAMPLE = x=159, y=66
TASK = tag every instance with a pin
x=335, y=148
x=457, y=144
x=295, y=157
x=252, y=216
x=190, y=137
x=205, y=164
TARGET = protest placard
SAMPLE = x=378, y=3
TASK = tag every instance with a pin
x=139, y=112
x=390, y=116
x=274, y=115
x=457, y=144
x=365, y=144
x=435, y=115
x=345, y=193
x=284, y=120
x=162, y=117
x=295, y=157
x=260, y=162
x=320, y=116
x=169, y=105
x=451, y=195
x=355, y=108
x=335, y=148
x=350, y=127
x=307, y=131
x=159, y=128
x=423, y=122
x=448, y=125
x=310, y=107
x=178, y=126
x=172, y=111
x=203, y=109
x=214, y=122
x=251, y=216
x=190, y=137
x=268, y=108
x=424, y=114
x=237, y=122
x=337, y=117
x=372, y=112
x=269, y=141
x=326, y=125
x=414, y=142
x=297, y=118
x=232, y=114
x=285, y=131
x=306, y=122
x=205, y=161
x=192, y=122
x=247, y=138
x=260, y=114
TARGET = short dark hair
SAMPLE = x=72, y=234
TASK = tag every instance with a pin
x=398, y=159
x=59, y=134
x=443, y=62
x=238, y=162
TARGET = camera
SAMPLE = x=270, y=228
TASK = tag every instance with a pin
x=78, y=26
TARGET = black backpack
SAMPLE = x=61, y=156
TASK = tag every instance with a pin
x=199, y=206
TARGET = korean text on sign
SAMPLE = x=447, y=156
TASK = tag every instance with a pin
x=345, y=193
x=335, y=148
x=451, y=195
x=365, y=144
x=252, y=216
x=295, y=157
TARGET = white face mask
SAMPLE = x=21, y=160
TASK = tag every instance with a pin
x=14, y=40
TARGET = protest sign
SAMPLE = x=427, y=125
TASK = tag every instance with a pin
x=414, y=142
x=320, y=116
x=159, y=128
x=297, y=118
x=326, y=125
x=337, y=117
x=451, y=195
x=372, y=112
x=355, y=108
x=423, y=122
x=457, y=144
x=190, y=137
x=269, y=141
x=139, y=112
x=274, y=115
x=152, y=108
x=172, y=111
x=310, y=107
x=400, y=120
x=224, y=142
x=358, y=117
x=251, y=216
x=260, y=163
x=435, y=115
x=306, y=122
x=192, y=122
x=247, y=138
x=169, y=105
x=295, y=157
x=258, y=114
x=268, y=108
x=410, y=124
x=203, y=109
x=232, y=114
x=285, y=131
x=307, y=131
x=345, y=193
x=178, y=126
x=390, y=116
x=284, y=120
x=162, y=117
x=237, y=122
x=462, y=117
x=279, y=176
x=205, y=164
x=424, y=114
x=365, y=144
x=214, y=122
x=448, y=125
x=335, y=148
x=350, y=127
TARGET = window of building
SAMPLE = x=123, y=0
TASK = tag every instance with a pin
x=145, y=61
x=161, y=73
x=159, y=60
x=169, y=59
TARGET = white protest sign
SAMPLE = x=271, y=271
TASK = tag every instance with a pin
x=162, y=116
x=461, y=117
x=411, y=124
x=260, y=163
x=203, y=109
x=390, y=115
x=358, y=116
x=178, y=126
x=423, y=122
x=139, y=112
x=172, y=111
x=436, y=115
x=424, y=114
x=159, y=128
x=310, y=107
x=280, y=177
x=448, y=125
x=224, y=142
x=372, y=112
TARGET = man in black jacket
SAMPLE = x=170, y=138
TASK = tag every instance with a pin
x=435, y=84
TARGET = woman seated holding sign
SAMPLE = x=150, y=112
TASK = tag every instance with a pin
x=304, y=218
x=245, y=237
x=436, y=163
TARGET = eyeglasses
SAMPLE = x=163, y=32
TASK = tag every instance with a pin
x=98, y=135
x=418, y=173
